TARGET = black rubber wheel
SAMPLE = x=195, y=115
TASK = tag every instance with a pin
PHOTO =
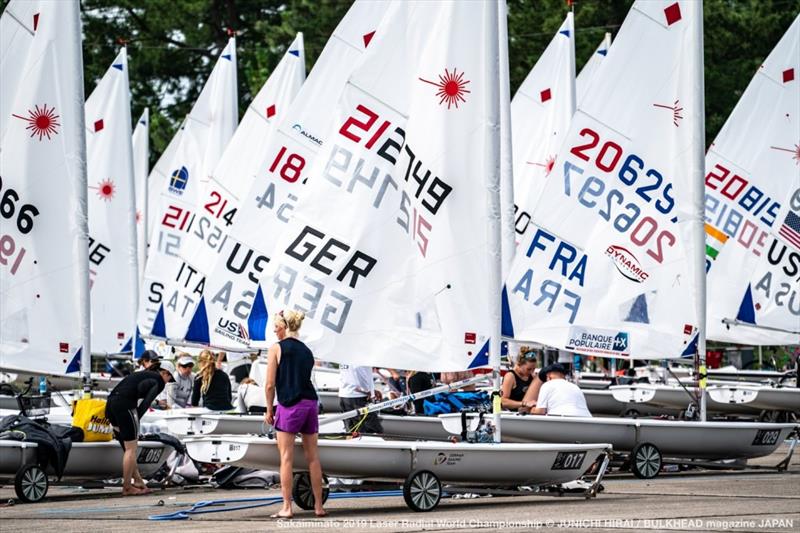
x=422, y=491
x=303, y=495
x=31, y=484
x=645, y=461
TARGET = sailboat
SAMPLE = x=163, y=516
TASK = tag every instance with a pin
x=616, y=266
x=404, y=265
x=113, y=257
x=233, y=309
x=141, y=166
x=752, y=195
x=170, y=287
x=44, y=264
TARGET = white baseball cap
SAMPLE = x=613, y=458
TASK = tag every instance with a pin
x=185, y=360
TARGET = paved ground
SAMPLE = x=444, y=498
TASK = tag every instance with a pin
x=753, y=500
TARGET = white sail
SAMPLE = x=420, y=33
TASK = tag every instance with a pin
x=610, y=267
x=388, y=250
x=232, y=301
x=541, y=112
x=753, y=208
x=168, y=291
x=44, y=315
x=589, y=70
x=113, y=270
x=141, y=166
x=242, y=161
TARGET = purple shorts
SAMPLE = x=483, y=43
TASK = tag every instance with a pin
x=302, y=417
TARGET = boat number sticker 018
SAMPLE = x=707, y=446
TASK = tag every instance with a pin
x=568, y=461
x=766, y=437
x=149, y=455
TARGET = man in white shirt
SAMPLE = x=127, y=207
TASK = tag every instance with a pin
x=356, y=389
x=557, y=396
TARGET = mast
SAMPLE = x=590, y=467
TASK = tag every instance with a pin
x=493, y=180
x=698, y=159
x=508, y=239
x=78, y=163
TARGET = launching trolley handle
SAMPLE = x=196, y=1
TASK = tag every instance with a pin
x=591, y=492
x=403, y=399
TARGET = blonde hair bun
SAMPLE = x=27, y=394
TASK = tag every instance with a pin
x=293, y=319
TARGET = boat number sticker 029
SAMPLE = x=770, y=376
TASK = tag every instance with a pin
x=766, y=437
x=149, y=455
x=568, y=460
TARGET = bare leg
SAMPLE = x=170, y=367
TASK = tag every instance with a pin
x=129, y=469
x=286, y=449
x=315, y=470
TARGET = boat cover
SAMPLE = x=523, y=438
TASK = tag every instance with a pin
x=54, y=442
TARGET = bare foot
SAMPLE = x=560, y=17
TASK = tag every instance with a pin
x=282, y=514
x=134, y=491
x=321, y=513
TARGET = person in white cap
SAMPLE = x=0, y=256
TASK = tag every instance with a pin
x=184, y=381
x=164, y=399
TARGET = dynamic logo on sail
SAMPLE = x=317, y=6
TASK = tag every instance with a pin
x=452, y=87
x=304, y=133
x=41, y=121
x=627, y=264
x=233, y=331
x=178, y=181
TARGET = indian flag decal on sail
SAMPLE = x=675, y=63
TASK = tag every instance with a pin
x=715, y=240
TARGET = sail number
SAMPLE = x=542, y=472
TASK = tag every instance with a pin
x=749, y=197
x=625, y=217
x=8, y=208
x=11, y=255
x=632, y=171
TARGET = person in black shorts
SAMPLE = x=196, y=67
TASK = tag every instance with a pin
x=124, y=410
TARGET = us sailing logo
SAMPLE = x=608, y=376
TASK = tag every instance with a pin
x=232, y=330
x=178, y=181
x=626, y=263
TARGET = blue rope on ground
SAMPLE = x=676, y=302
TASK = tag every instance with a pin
x=252, y=503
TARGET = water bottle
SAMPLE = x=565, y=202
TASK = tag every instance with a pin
x=42, y=385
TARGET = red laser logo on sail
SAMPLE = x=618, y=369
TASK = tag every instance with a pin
x=105, y=190
x=41, y=121
x=547, y=165
x=676, y=111
x=452, y=87
x=794, y=151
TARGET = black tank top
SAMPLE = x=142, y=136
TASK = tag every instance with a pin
x=293, y=380
x=520, y=387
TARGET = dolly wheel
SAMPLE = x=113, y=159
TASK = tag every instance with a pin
x=303, y=495
x=31, y=484
x=645, y=461
x=422, y=491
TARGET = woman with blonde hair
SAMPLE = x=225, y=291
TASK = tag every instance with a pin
x=289, y=366
x=520, y=380
x=212, y=384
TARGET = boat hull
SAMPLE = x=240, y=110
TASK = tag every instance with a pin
x=757, y=398
x=678, y=439
x=87, y=460
x=379, y=459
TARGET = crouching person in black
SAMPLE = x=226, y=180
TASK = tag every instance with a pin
x=124, y=410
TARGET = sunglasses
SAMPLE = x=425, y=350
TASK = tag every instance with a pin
x=529, y=356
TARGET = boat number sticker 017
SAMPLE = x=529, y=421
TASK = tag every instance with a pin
x=766, y=437
x=568, y=460
x=149, y=455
